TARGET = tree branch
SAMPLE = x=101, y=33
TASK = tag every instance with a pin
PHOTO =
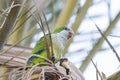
x=98, y=45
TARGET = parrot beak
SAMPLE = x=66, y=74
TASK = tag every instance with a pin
x=70, y=34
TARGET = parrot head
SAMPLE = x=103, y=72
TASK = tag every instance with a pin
x=65, y=32
x=69, y=32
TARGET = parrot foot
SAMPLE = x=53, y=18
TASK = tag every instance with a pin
x=53, y=59
x=62, y=63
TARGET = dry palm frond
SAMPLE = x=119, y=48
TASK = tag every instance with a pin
x=16, y=56
x=38, y=73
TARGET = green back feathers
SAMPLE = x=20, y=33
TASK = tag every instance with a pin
x=41, y=44
x=57, y=30
x=39, y=49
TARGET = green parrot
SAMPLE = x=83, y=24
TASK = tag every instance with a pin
x=59, y=38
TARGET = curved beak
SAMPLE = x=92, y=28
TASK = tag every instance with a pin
x=71, y=33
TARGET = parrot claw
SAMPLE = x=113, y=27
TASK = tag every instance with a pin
x=63, y=64
x=53, y=59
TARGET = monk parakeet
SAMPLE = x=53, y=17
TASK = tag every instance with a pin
x=59, y=38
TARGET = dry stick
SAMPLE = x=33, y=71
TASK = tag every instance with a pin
x=5, y=66
x=49, y=34
x=107, y=41
x=47, y=46
x=19, y=27
x=96, y=68
x=43, y=74
x=42, y=28
x=109, y=10
x=28, y=10
x=114, y=36
x=97, y=74
x=110, y=45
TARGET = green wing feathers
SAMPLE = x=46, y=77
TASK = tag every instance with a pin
x=41, y=44
x=39, y=49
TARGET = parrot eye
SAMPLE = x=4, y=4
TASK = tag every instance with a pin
x=66, y=28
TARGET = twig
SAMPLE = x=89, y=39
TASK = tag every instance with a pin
x=42, y=28
x=114, y=36
x=109, y=10
x=107, y=40
x=49, y=33
x=96, y=68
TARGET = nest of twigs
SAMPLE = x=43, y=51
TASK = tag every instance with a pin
x=38, y=73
